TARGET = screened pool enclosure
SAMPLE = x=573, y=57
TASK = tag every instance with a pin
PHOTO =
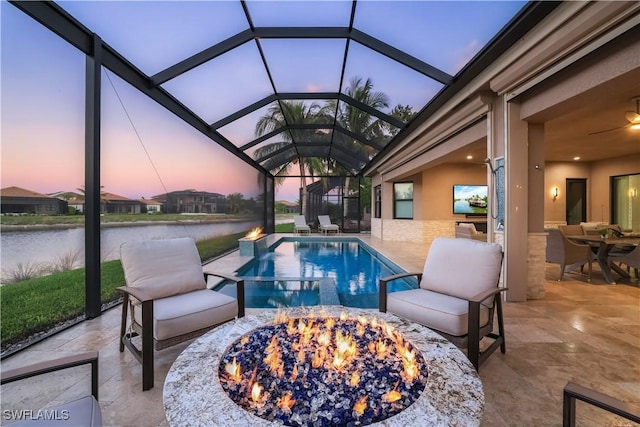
x=235, y=99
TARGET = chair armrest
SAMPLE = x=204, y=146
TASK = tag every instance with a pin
x=239, y=288
x=56, y=365
x=137, y=293
x=400, y=276
x=382, y=291
x=486, y=294
x=573, y=391
x=235, y=279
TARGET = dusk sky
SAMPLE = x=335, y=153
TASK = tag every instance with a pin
x=42, y=109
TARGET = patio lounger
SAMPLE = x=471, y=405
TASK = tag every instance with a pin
x=300, y=225
x=326, y=226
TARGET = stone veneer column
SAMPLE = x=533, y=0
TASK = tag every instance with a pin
x=536, y=265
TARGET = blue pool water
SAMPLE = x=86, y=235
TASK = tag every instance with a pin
x=305, y=272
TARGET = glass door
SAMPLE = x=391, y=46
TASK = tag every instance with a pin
x=625, y=209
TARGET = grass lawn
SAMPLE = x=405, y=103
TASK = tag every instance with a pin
x=39, y=304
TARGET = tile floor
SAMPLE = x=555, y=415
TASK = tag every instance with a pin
x=584, y=332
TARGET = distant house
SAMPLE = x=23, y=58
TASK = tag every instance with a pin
x=75, y=200
x=21, y=200
x=151, y=205
x=192, y=201
x=114, y=203
x=289, y=207
x=76, y=203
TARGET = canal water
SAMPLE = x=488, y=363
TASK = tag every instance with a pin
x=49, y=246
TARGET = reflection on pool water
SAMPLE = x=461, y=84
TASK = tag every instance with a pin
x=306, y=272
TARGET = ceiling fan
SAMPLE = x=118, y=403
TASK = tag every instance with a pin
x=633, y=117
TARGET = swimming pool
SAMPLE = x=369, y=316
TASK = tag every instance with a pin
x=308, y=272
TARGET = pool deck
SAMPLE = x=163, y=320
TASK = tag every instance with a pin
x=584, y=332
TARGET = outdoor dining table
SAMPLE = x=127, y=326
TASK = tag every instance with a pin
x=604, y=246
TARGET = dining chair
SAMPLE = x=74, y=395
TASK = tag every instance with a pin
x=629, y=258
x=569, y=254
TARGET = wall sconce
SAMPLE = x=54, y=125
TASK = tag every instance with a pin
x=633, y=193
x=555, y=192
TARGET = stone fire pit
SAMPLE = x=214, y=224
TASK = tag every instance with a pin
x=323, y=370
x=199, y=389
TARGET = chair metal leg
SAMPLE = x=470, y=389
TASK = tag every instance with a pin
x=473, y=339
x=503, y=344
x=382, y=295
x=147, y=345
x=123, y=324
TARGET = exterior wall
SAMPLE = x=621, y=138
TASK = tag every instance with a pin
x=555, y=175
x=598, y=176
x=438, y=182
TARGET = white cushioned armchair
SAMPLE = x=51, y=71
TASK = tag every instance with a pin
x=457, y=296
x=84, y=411
x=467, y=230
x=168, y=297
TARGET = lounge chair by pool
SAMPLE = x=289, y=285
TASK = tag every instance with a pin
x=326, y=226
x=300, y=225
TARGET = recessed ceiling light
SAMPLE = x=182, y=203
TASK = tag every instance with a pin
x=576, y=158
x=469, y=157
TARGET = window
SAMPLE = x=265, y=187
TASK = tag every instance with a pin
x=403, y=200
x=378, y=201
x=626, y=201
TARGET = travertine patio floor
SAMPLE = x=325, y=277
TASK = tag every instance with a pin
x=588, y=333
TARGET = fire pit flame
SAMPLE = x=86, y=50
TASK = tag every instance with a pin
x=392, y=396
x=286, y=402
x=338, y=355
x=254, y=234
x=360, y=406
x=233, y=369
x=256, y=392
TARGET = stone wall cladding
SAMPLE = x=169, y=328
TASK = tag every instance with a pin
x=536, y=265
x=415, y=231
x=376, y=227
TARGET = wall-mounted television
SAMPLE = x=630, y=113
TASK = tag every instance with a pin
x=470, y=199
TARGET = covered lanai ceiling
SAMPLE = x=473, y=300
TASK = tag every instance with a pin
x=327, y=83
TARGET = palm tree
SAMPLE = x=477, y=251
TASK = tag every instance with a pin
x=234, y=202
x=361, y=122
x=365, y=124
x=279, y=115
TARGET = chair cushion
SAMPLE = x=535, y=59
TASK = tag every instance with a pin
x=330, y=227
x=462, y=267
x=184, y=313
x=84, y=412
x=444, y=313
x=163, y=267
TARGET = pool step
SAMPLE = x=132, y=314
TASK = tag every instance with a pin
x=328, y=293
